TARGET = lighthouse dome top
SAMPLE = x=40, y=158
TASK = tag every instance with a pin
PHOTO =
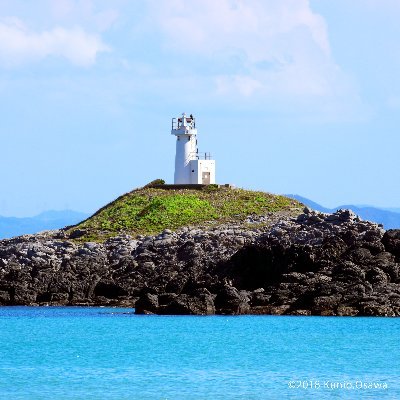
x=184, y=125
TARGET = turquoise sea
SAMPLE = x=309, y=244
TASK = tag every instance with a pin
x=110, y=353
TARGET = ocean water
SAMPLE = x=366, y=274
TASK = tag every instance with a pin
x=110, y=353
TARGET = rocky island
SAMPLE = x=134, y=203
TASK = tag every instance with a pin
x=212, y=250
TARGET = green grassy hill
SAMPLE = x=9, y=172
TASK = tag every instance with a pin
x=150, y=210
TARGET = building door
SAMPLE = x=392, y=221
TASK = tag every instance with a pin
x=205, y=178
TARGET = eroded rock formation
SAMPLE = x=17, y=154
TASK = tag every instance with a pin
x=317, y=264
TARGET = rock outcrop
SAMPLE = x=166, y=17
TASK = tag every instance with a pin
x=317, y=264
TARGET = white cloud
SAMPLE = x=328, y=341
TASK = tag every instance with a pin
x=19, y=45
x=85, y=12
x=269, y=53
x=207, y=25
x=245, y=85
x=264, y=47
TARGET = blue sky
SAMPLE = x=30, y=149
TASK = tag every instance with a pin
x=290, y=96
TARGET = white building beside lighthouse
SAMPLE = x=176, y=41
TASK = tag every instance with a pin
x=191, y=167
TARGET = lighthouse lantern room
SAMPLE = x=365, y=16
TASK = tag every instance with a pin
x=191, y=167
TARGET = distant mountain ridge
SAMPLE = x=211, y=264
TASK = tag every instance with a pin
x=48, y=220
x=389, y=218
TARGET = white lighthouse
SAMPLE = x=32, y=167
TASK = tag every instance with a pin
x=191, y=167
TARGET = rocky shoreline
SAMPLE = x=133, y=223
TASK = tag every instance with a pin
x=315, y=264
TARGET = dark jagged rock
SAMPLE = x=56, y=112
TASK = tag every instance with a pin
x=147, y=303
x=230, y=300
x=315, y=264
x=391, y=241
x=199, y=302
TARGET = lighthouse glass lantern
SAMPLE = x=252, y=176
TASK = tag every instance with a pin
x=191, y=167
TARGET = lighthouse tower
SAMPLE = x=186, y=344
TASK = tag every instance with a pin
x=191, y=167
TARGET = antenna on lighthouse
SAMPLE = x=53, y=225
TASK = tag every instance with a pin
x=190, y=168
